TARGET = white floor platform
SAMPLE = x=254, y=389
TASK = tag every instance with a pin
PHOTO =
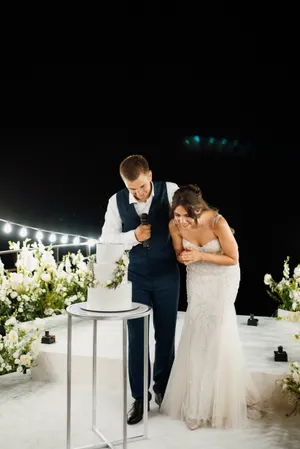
x=33, y=409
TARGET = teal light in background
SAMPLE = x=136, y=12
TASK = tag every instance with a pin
x=224, y=141
x=187, y=141
x=197, y=138
x=211, y=140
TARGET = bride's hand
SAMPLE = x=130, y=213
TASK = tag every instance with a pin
x=190, y=255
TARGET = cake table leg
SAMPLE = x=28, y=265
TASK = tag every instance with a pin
x=94, y=406
x=69, y=373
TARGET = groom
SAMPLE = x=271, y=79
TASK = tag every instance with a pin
x=153, y=271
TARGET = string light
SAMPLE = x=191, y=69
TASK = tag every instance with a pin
x=8, y=228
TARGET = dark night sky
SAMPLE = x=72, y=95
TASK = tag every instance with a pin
x=61, y=178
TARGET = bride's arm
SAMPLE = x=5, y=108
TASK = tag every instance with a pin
x=228, y=245
x=176, y=240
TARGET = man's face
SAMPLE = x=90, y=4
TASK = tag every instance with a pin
x=141, y=187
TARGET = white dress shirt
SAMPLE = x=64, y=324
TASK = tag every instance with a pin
x=112, y=228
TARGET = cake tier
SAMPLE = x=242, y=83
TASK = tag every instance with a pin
x=101, y=299
x=109, y=252
x=104, y=272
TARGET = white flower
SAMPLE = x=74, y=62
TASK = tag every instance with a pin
x=25, y=360
x=11, y=321
x=13, y=336
x=16, y=280
x=68, y=265
x=297, y=272
x=296, y=377
x=14, y=246
x=82, y=266
x=268, y=279
x=48, y=259
x=294, y=305
x=27, y=260
x=46, y=277
x=286, y=269
x=49, y=311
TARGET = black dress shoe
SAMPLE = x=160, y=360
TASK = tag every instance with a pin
x=159, y=398
x=135, y=414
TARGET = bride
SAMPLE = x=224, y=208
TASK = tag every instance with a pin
x=209, y=384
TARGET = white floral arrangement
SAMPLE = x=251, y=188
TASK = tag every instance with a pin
x=41, y=287
x=287, y=291
x=119, y=272
x=19, y=346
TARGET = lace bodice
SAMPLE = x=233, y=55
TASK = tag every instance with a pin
x=213, y=246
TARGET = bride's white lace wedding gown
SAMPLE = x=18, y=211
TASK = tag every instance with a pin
x=209, y=384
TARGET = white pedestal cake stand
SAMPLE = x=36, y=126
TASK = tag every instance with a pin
x=80, y=311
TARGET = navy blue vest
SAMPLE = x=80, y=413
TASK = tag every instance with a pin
x=160, y=257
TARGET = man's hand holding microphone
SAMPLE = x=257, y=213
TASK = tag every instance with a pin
x=143, y=231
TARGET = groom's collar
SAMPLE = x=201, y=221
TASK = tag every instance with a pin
x=132, y=200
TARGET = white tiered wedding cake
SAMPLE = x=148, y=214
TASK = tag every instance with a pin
x=113, y=292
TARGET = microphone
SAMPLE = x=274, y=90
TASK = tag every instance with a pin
x=144, y=221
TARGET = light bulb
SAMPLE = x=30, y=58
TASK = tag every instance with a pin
x=7, y=228
x=64, y=239
x=23, y=232
x=52, y=238
x=76, y=240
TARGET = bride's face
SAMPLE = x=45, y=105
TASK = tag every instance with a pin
x=182, y=218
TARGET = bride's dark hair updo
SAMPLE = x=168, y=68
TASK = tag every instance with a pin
x=190, y=197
